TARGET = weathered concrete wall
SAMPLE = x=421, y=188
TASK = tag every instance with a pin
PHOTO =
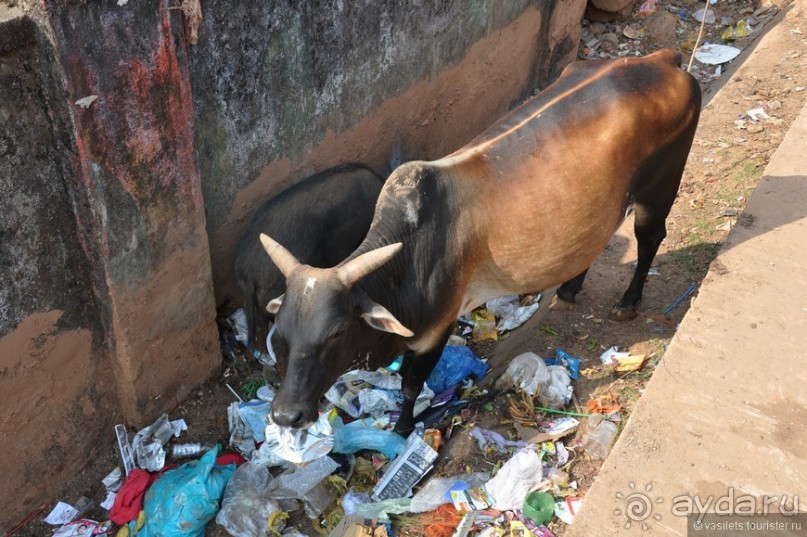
x=106, y=311
x=282, y=89
x=55, y=379
x=144, y=216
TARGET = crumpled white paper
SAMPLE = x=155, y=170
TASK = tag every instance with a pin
x=510, y=311
x=300, y=445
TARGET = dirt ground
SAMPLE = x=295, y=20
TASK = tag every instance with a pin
x=725, y=164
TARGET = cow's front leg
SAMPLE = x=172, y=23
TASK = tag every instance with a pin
x=415, y=370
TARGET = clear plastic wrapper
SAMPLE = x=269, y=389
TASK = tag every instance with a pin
x=305, y=483
x=241, y=438
x=597, y=436
x=246, y=505
x=527, y=371
x=352, y=500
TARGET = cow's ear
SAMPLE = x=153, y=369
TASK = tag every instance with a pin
x=274, y=306
x=380, y=318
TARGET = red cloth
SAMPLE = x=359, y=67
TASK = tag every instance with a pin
x=230, y=458
x=129, y=501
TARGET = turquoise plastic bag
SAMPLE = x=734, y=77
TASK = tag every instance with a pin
x=356, y=436
x=183, y=500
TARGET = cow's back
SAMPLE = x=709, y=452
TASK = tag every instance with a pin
x=549, y=183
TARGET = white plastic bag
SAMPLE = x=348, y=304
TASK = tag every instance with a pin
x=559, y=390
x=510, y=485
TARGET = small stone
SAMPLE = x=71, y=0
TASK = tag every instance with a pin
x=754, y=129
x=610, y=38
x=660, y=28
x=774, y=105
x=596, y=28
x=612, y=6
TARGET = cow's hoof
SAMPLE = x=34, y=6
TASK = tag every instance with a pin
x=560, y=304
x=620, y=314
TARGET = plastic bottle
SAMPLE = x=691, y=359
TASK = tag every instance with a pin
x=191, y=449
x=599, y=436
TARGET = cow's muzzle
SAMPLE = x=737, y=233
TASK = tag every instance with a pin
x=293, y=416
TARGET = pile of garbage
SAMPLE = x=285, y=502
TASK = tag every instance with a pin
x=618, y=28
x=350, y=474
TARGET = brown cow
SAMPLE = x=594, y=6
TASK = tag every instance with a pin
x=528, y=204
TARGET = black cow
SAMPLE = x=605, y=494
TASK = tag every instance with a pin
x=321, y=220
x=528, y=204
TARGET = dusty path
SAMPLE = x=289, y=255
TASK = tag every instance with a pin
x=724, y=415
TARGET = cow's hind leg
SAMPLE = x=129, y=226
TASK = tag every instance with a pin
x=564, y=296
x=650, y=231
x=652, y=204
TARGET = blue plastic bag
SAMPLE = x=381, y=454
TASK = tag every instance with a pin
x=568, y=361
x=356, y=436
x=183, y=500
x=254, y=414
x=456, y=364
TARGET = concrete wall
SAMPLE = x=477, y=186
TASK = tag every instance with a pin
x=106, y=308
x=54, y=372
x=116, y=220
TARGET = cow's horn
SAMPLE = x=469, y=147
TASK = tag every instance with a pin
x=356, y=269
x=279, y=255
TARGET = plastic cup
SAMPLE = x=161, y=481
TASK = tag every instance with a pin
x=539, y=507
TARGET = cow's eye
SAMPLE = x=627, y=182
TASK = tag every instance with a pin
x=336, y=335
